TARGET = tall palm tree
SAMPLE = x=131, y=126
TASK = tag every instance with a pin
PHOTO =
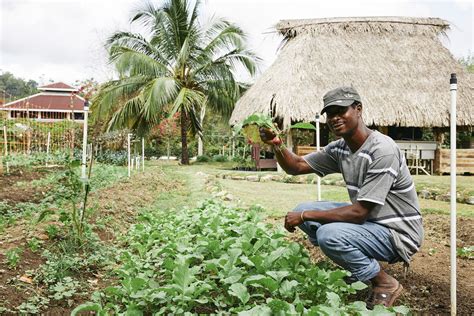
x=179, y=65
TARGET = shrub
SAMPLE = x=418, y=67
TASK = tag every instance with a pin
x=203, y=158
x=119, y=158
x=219, y=158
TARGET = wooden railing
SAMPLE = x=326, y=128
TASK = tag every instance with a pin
x=464, y=161
x=303, y=150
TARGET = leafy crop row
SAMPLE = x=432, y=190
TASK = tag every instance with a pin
x=218, y=259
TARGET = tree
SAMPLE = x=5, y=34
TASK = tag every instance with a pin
x=178, y=66
x=468, y=62
x=13, y=88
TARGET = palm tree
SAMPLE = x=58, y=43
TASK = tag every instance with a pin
x=178, y=66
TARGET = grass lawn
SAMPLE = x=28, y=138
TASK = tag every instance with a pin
x=278, y=198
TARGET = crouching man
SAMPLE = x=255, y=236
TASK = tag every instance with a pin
x=383, y=222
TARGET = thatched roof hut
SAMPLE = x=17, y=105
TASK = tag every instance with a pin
x=398, y=65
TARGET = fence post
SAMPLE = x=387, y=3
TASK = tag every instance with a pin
x=28, y=141
x=5, y=139
x=143, y=154
x=47, y=147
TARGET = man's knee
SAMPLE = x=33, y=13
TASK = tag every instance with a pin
x=327, y=236
x=305, y=206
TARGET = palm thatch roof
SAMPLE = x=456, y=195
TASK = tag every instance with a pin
x=397, y=64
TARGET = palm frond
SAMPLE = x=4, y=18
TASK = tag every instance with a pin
x=160, y=95
x=128, y=61
x=127, y=115
x=190, y=101
x=114, y=92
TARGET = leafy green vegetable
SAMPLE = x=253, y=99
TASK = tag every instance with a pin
x=251, y=125
x=217, y=259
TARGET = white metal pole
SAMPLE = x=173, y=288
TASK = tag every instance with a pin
x=84, y=141
x=317, y=149
x=453, y=87
x=143, y=154
x=128, y=152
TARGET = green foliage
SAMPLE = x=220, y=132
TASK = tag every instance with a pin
x=222, y=260
x=17, y=161
x=73, y=190
x=203, y=158
x=16, y=88
x=251, y=125
x=468, y=62
x=33, y=305
x=177, y=66
x=67, y=259
x=303, y=125
x=466, y=252
x=89, y=307
x=52, y=231
x=34, y=244
x=13, y=257
x=118, y=158
x=64, y=289
x=219, y=158
x=241, y=163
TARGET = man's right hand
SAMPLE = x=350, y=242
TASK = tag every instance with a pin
x=269, y=137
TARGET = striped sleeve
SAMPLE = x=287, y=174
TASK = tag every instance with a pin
x=322, y=162
x=380, y=177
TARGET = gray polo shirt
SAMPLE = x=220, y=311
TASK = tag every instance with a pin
x=377, y=173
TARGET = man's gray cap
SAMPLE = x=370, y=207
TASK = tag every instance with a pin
x=342, y=96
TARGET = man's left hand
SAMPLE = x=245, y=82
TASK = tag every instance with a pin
x=292, y=219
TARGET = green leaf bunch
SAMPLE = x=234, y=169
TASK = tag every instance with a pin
x=219, y=259
x=250, y=127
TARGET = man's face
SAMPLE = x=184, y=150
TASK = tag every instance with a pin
x=343, y=120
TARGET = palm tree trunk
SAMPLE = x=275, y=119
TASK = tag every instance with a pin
x=184, y=139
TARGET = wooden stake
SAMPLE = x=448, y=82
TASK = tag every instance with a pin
x=5, y=139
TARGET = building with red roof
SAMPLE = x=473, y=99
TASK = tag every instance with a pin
x=55, y=102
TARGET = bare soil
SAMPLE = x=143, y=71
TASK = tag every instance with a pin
x=427, y=284
x=15, y=188
x=119, y=202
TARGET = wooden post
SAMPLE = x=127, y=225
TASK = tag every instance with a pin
x=47, y=147
x=28, y=142
x=5, y=139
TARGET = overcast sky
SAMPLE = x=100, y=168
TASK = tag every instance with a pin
x=63, y=40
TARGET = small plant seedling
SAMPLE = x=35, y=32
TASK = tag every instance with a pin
x=64, y=289
x=34, y=244
x=13, y=257
x=52, y=231
x=466, y=252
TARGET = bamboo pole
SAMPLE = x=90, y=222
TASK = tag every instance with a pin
x=5, y=139
x=47, y=147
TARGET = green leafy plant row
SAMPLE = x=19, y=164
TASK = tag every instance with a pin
x=219, y=259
